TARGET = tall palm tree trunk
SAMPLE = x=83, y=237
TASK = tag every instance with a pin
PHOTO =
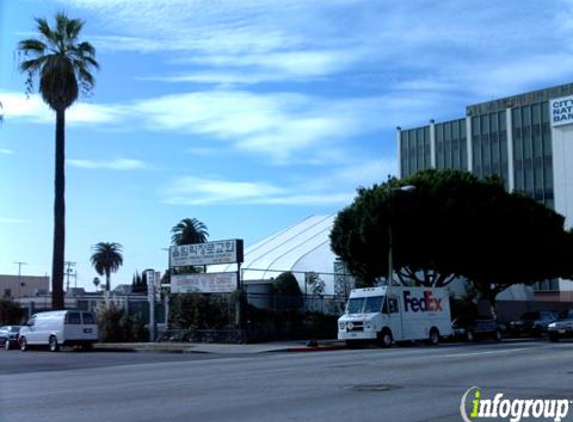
x=59, y=214
x=107, y=281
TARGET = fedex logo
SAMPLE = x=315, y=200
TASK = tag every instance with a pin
x=427, y=303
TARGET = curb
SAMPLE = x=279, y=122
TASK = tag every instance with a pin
x=315, y=349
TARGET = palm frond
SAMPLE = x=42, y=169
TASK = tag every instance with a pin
x=31, y=46
x=44, y=29
x=73, y=28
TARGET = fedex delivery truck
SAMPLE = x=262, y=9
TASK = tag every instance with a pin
x=396, y=313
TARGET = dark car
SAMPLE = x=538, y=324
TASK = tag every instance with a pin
x=563, y=327
x=9, y=336
x=533, y=323
x=473, y=328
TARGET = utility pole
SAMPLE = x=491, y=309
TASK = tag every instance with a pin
x=19, y=264
x=69, y=272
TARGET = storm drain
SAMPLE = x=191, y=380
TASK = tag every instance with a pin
x=378, y=388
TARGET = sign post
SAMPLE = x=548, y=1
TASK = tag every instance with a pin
x=150, y=275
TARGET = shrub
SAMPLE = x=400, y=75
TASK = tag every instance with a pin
x=193, y=311
x=116, y=326
x=11, y=313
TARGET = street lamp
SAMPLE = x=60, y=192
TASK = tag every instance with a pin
x=407, y=188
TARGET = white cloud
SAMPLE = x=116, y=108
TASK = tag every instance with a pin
x=32, y=108
x=4, y=220
x=202, y=191
x=6, y=152
x=117, y=164
x=326, y=188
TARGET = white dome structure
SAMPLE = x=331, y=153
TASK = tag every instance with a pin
x=302, y=248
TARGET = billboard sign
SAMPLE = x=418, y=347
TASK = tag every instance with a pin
x=208, y=253
x=561, y=111
x=204, y=283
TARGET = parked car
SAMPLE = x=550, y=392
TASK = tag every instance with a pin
x=59, y=328
x=9, y=336
x=533, y=323
x=563, y=327
x=473, y=328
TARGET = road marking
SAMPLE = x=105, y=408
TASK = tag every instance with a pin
x=489, y=352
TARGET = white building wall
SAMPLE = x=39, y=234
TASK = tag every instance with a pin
x=562, y=138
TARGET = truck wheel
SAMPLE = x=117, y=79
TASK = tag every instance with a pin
x=554, y=337
x=54, y=346
x=434, y=338
x=385, y=338
x=23, y=344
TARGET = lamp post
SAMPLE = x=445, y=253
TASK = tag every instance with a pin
x=407, y=188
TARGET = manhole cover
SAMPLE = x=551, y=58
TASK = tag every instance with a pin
x=373, y=387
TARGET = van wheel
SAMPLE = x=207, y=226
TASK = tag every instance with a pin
x=23, y=344
x=554, y=337
x=434, y=338
x=469, y=336
x=385, y=338
x=54, y=346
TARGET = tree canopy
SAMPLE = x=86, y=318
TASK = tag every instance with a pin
x=189, y=231
x=451, y=225
x=106, y=259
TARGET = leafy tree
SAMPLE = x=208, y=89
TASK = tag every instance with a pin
x=11, y=313
x=62, y=63
x=288, y=295
x=452, y=225
x=316, y=284
x=106, y=259
x=139, y=283
x=189, y=231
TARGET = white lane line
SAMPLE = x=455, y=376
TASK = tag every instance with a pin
x=489, y=352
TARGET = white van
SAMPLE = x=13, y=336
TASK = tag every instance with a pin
x=396, y=313
x=59, y=328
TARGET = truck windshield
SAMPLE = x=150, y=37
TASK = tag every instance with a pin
x=355, y=305
x=366, y=305
x=373, y=304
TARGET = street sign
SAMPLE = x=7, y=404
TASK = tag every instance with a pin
x=204, y=283
x=208, y=253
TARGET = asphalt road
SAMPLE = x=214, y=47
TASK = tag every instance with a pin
x=398, y=384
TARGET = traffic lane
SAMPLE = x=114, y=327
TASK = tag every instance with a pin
x=16, y=362
x=411, y=384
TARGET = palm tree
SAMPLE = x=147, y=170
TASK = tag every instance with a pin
x=96, y=282
x=62, y=64
x=188, y=231
x=107, y=259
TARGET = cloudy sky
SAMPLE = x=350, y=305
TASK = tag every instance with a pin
x=246, y=114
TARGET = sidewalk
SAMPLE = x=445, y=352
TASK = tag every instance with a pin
x=288, y=346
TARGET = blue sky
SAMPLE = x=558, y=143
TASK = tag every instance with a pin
x=248, y=114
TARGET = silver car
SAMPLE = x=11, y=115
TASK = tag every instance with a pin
x=563, y=327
